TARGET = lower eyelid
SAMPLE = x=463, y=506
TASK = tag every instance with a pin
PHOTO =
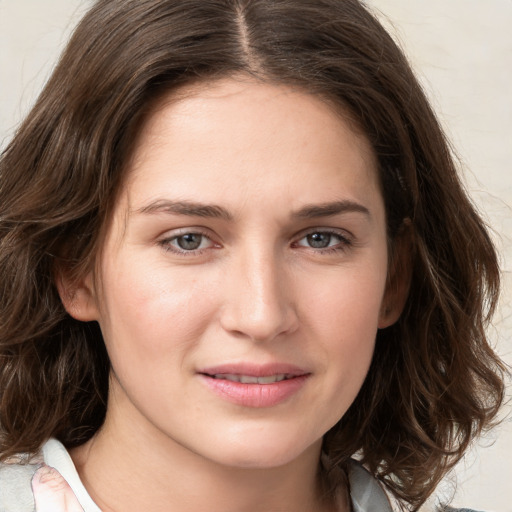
x=343, y=243
x=344, y=239
x=166, y=242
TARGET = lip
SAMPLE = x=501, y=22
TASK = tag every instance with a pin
x=255, y=395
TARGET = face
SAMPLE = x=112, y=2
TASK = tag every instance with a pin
x=243, y=277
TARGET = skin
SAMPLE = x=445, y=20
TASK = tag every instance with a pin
x=258, y=289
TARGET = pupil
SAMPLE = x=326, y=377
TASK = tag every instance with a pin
x=190, y=241
x=319, y=240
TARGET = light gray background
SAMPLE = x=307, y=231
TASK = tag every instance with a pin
x=462, y=51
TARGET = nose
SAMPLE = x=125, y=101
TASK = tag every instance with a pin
x=259, y=302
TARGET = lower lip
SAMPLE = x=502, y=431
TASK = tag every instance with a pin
x=255, y=395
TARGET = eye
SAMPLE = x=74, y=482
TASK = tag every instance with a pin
x=324, y=240
x=187, y=242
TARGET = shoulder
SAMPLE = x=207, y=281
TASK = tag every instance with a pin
x=43, y=481
x=15, y=484
x=449, y=509
x=367, y=493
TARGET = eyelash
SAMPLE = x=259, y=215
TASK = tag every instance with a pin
x=166, y=243
x=344, y=242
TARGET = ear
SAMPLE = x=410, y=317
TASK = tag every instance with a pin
x=399, y=277
x=78, y=297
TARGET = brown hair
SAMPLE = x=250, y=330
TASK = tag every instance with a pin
x=434, y=383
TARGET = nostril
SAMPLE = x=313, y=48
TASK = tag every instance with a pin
x=260, y=325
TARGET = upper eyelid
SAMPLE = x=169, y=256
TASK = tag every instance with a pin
x=215, y=239
x=343, y=233
x=165, y=243
x=346, y=240
x=177, y=232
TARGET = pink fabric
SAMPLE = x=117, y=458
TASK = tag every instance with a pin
x=52, y=493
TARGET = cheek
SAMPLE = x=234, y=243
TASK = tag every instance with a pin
x=152, y=310
x=342, y=318
x=347, y=300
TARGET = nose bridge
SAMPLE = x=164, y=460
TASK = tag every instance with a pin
x=258, y=301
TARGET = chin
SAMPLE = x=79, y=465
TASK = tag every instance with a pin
x=258, y=462
x=262, y=454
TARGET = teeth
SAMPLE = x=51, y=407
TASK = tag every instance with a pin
x=250, y=379
x=246, y=379
x=233, y=378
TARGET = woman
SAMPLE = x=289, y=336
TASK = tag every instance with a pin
x=235, y=253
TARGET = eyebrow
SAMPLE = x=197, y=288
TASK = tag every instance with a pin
x=189, y=208
x=330, y=209
x=194, y=209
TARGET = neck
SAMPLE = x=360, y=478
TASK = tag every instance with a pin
x=130, y=471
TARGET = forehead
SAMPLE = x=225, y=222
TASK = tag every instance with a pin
x=244, y=136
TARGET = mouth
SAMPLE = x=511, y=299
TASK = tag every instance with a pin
x=255, y=386
x=251, y=379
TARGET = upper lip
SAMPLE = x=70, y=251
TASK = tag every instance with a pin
x=254, y=370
